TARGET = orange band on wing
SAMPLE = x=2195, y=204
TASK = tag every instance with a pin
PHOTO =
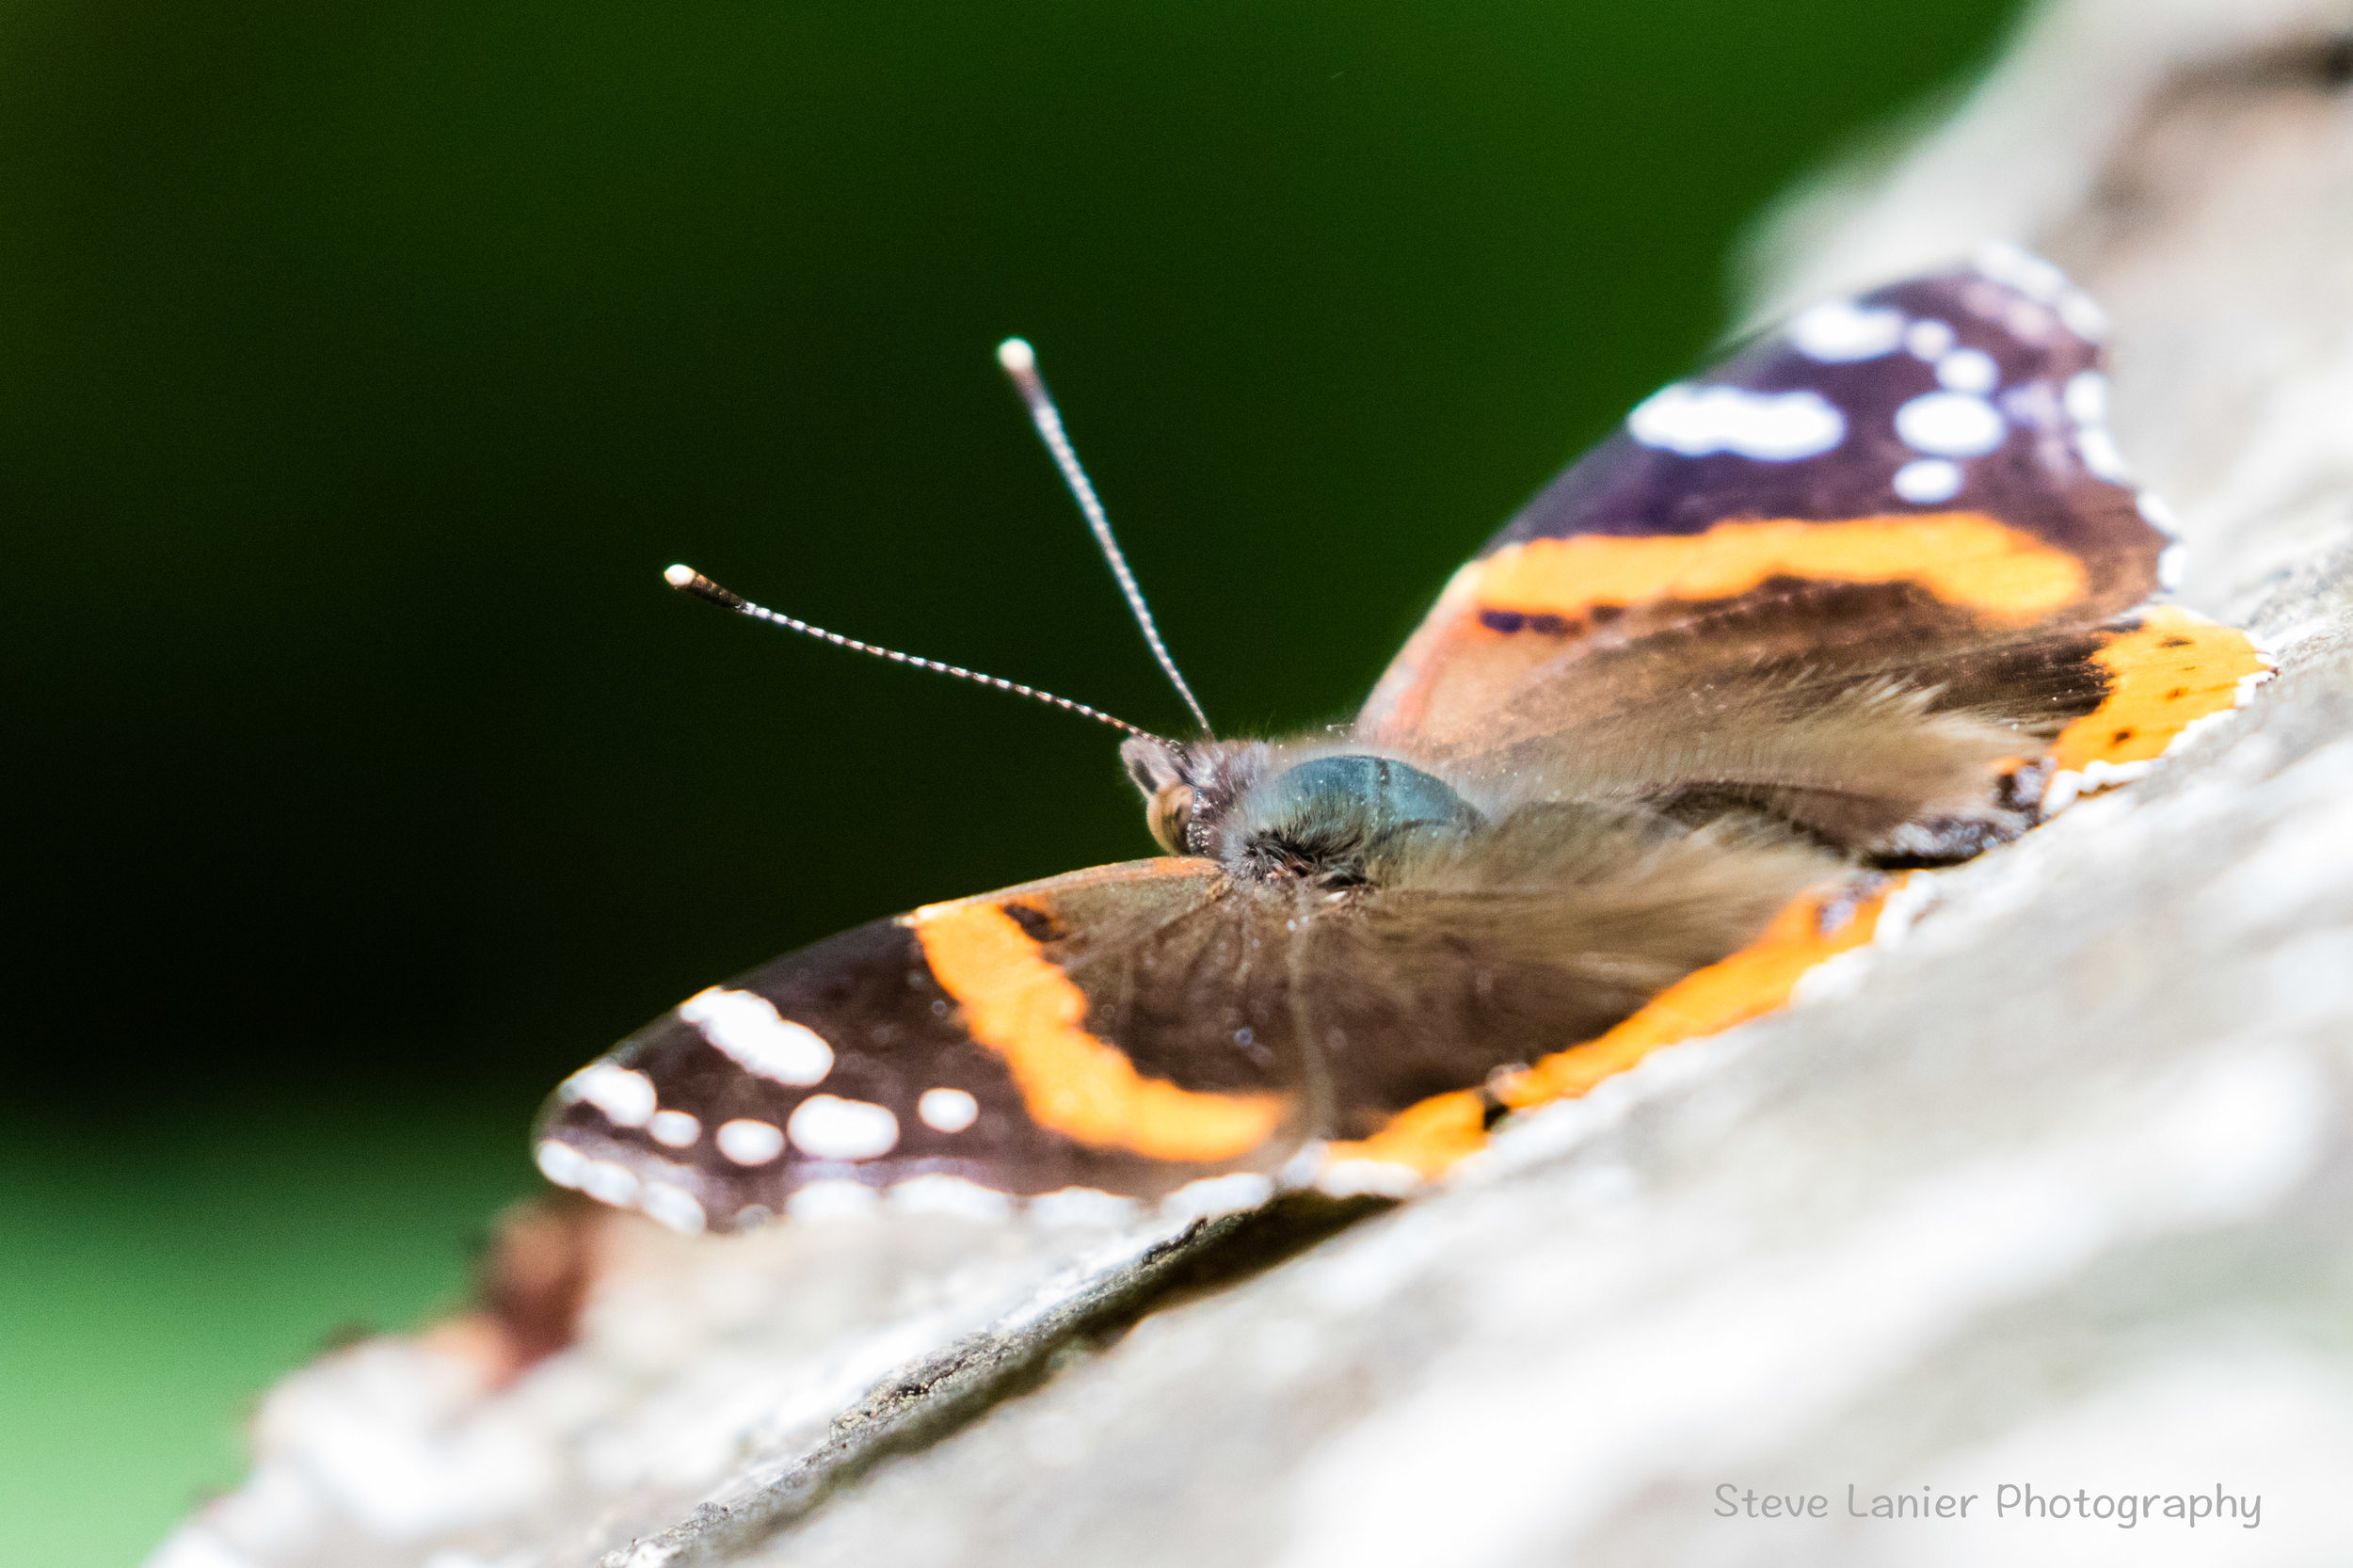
x=2171, y=671
x=1963, y=558
x=1427, y=1136
x=1431, y=1135
x=1750, y=983
x=1019, y=1005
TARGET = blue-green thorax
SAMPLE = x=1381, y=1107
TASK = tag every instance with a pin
x=1267, y=813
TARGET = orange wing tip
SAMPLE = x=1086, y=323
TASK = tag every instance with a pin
x=2172, y=675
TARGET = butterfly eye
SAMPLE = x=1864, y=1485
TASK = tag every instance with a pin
x=1169, y=815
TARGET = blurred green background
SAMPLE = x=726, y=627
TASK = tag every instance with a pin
x=361, y=365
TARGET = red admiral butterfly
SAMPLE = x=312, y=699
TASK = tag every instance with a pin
x=1872, y=595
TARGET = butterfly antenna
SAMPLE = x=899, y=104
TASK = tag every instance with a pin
x=1020, y=362
x=687, y=580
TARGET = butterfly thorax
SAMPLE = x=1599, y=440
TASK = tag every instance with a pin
x=1323, y=816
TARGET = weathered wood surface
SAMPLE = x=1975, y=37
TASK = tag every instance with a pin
x=2057, y=1190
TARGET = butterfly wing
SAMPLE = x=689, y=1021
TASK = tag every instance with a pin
x=1526, y=938
x=1126, y=1028
x=1904, y=510
x=1858, y=580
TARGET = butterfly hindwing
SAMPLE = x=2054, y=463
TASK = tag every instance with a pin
x=1539, y=935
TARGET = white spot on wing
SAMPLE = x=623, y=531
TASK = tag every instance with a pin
x=1214, y=1195
x=1312, y=1158
x=1775, y=427
x=1930, y=340
x=826, y=1126
x=2086, y=400
x=2030, y=275
x=626, y=1097
x=1925, y=481
x=1349, y=1179
x=831, y=1200
x=1968, y=370
x=2169, y=562
x=1950, y=424
x=1838, y=331
x=2027, y=320
x=2087, y=397
x=947, y=1109
x=746, y=1026
x=560, y=1162
x=2083, y=315
x=1081, y=1206
x=2044, y=283
x=673, y=1207
x=2102, y=776
x=749, y=1143
x=2100, y=455
x=947, y=1195
x=606, y=1182
x=674, y=1128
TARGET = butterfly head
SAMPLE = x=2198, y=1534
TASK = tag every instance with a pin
x=1186, y=786
x=1325, y=815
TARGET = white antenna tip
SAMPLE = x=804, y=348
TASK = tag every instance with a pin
x=678, y=576
x=1016, y=355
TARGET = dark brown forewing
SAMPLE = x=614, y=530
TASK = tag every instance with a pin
x=988, y=1039
x=1818, y=501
